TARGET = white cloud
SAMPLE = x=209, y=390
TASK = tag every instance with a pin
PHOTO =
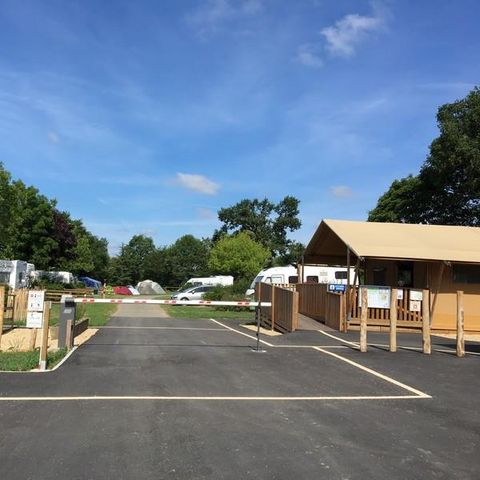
x=343, y=37
x=206, y=213
x=197, y=183
x=213, y=13
x=306, y=56
x=53, y=137
x=341, y=191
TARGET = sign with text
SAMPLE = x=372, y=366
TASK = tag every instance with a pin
x=415, y=305
x=416, y=295
x=377, y=297
x=336, y=288
x=35, y=302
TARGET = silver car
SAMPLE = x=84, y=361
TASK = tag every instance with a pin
x=194, y=293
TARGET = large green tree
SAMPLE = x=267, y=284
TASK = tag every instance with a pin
x=268, y=223
x=238, y=255
x=447, y=189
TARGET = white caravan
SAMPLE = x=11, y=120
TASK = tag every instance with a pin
x=15, y=273
x=224, y=280
x=57, y=277
x=289, y=275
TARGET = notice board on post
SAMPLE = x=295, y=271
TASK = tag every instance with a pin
x=36, y=299
x=377, y=297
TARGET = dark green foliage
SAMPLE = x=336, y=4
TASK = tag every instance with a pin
x=447, y=189
x=268, y=223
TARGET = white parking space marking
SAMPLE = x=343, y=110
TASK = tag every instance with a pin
x=120, y=327
x=242, y=333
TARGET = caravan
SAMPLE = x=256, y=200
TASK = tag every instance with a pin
x=15, y=273
x=311, y=274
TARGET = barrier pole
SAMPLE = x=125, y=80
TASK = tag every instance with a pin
x=363, y=320
x=393, y=320
x=427, y=344
x=258, y=313
x=44, y=344
x=460, y=325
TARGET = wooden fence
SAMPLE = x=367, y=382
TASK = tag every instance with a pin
x=313, y=300
x=283, y=314
x=381, y=316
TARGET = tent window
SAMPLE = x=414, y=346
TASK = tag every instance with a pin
x=379, y=276
x=466, y=273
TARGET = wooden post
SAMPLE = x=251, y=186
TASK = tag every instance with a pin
x=393, y=320
x=33, y=338
x=69, y=335
x=460, y=325
x=427, y=345
x=363, y=320
x=272, y=309
x=44, y=345
x=348, y=293
x=2, y=312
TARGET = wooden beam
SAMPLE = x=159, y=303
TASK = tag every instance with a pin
x=426, y=340
x=439, y=283
x=363, y=320
x=393, y=319
x=348, y=304
x=460, y=325
x=44, y=345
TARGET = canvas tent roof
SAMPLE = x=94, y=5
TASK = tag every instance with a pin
x=392, y=240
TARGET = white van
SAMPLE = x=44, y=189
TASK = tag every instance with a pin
x=311, y=274
x=14, y=273
x=224, y=280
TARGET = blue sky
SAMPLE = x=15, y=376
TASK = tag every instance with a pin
x=149, y=116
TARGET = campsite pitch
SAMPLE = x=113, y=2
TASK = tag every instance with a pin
x=153, y=397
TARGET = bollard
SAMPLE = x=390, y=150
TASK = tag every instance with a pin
x=460, y=325
x=393, y=320
x=67, y=320
x=363, y=320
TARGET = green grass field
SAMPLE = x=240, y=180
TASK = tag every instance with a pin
x=180, y=311
x=23, y=361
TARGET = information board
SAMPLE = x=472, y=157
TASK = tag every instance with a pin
x=415, y=305
x=377, y=297
x=35, y=302
x=416, y=295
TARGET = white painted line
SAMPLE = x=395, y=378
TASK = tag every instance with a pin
x=161, y=328
x=312, y=346
x=375, y=373
x=420, y=349
x=352, y=344
x=63, y=360
x=242, y=333
x=214, y=398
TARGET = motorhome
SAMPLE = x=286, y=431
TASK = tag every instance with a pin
x=224, y=280
x=311, y=274
x=15, y=273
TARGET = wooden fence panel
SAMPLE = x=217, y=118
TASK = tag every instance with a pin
x=335, y=310
x=313, y=300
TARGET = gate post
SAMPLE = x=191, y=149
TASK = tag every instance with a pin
x=67, y=320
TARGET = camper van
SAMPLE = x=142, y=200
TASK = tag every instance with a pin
x=311, y=274
x=15, y=273
x=223, y=280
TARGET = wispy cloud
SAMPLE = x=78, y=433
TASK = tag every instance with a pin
x=341, y=191
x=307, y=56
x=53, y=137
x=197, y=183
x=344, y=36
x=213, y=14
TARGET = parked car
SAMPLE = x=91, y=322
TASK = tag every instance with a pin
x=194, y=293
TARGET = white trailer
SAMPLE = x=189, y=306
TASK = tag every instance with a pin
x=14, y=273
x=311, y=274
x=224, y=280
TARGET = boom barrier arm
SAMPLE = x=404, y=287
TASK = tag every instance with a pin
x=173, y=302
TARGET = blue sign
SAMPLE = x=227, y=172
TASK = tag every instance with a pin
x=337, y=288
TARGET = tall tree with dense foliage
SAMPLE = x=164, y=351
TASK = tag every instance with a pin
x=268, y=223
x=238, y=255
x=447, y=189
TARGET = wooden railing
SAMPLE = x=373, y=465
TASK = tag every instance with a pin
x=56, y=295
x=381, y=316
x=283, y=314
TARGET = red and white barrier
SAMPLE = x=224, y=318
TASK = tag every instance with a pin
x=172, y=302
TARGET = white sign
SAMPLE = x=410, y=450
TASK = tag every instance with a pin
x=399, y=294
x=415, y=305
x=416, y=295
x=377, y=297
x=34, y=319
x=35, y=300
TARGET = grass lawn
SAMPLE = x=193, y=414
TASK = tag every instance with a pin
x=22, y=361
x=181, y=311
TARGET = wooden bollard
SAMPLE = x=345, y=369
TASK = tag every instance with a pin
x=2, y=308
x=363, y=321
x=44, y=344
x=393, y=320
x=427, y=344
x=460, y=325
